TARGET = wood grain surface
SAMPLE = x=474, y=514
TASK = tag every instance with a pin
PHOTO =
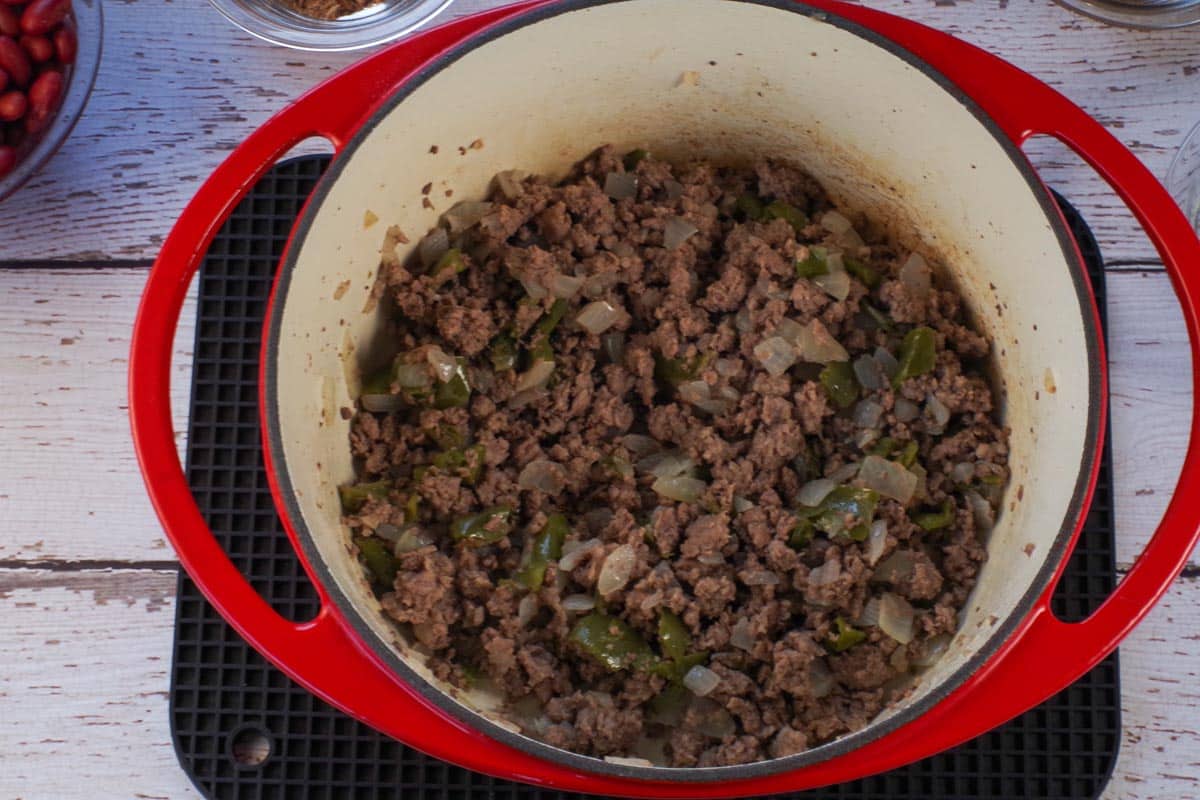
x=87, y=578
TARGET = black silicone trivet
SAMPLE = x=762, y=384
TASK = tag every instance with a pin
x=224, y=696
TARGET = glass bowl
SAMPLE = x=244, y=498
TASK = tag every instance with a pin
x=1147, y=14
x=275, y=22
x=89, y=25
x=1183, y=177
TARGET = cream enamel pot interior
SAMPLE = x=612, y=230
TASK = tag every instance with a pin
x=875, y=129
x=540, y=86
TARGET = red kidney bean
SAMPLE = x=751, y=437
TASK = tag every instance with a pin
x=13, y=105
x=65, y=44
x=39, y=48
x=10, y=23
x=3, y=80
x=15, y=61
x=8, y=159
x=43, y=100
x=41, y=16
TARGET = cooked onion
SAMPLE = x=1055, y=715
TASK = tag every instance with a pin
x=876, y=541
x=937, y=411
x=742, y=320
x=620, y=185
x=711, y=559
x=896, y=617
x=895, y=568
x=887, y=361
x=962, y=472
x=578, y=602
x=906, y=410
x=411, y=538
x=535, y=377
x=726, y=367
x=775, y=354
x=813, y=493
x=869, y=615
x=888, y=478
x=381, y=403
x=985, y=515
x=740, y=635
x=640, y=446
x=680, y=488
x=844, y=472
x=868, y=414
x=444, y=365
x=544, y=476
x=717, y=724
x=835, y=223
x=825, y=574
x=916, y=276
x=741, y=504
x=565, y=286
x=676, y=231
x=835, y=283
x=870, y=374
x=614, y=346
x=701, y=680
x=433, y=247
x=816, y=345
x=575, y=552
x=617, y=569
x=674, y=189
x=866, y=437
x=666, y=464
x=511, y=183
x=599, y=315
x=699, y=394
x=820, y=678
x=465, y=214
x=933, y=650
x=535, y=290
x=759, y=577
x=526, y=609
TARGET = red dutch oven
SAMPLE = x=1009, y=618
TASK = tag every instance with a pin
x=919, y=129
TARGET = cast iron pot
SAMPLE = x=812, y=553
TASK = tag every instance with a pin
x=913, y=126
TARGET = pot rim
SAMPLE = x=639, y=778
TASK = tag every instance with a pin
x=340, y=604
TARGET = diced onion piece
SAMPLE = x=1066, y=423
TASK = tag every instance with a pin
x=701, y=680
x=775, y=354
x=896, y=617
x=845, y=472
x=680, y=488
x=895, y=568
x=444, y=365
x=717, y=724
x=760, y=577
x=835, y=223
x=711, y=559
x=870, y=373
x=876, y=541
x=740, y=635
x=620, y=185
x=526, y=609
x=381, y=403
x=676, y=231
x=629, y=761
x=868, y=414
x=413, y=376
x=816, y=345
x=388, y=532
x=866, y=437
x=835, y=283
x=674, y=189
x=887, y=361
x=614, y=346
x=578, y=602
x=741, y=504
x=820, y=678
x=575, y=552
x=869, y=615
x=666, y=464
x=511, y=183
x=962, y=472
x=985, y=515
x=465, y=214
x=899, y=659
x=937, y=411
x=699, y=394
x=433, y=247
x=535, y=290
x=598, y=316
x=888, y=478
x=565, y=287
x=726, y=367
x=825, y=574
x=535, y=377
x=933, y=650
x=544, y=476
x=916, y=276
x=906, y=410
x=411, y=538
x=640, y=446
x=742, y=320
x=813, y=493
x=617, y=569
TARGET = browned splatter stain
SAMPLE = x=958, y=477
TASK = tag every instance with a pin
x=427, y=188
x=1051, y=387
x=369, y=218
x=476, y=145
x=66, y=341
x=341, y=289
x=1029, y=548
x=433, y=150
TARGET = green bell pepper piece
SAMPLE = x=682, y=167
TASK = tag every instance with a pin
x=788, y=213
x=612, y=642
x=918, y=355
x=456, y=392
x=503, y=353
x=547, y=547
x=354, y=496
x=450, y=264
x=936, y=520
x=378, y=560
x=814, y=264
x=674, y=371
x=846, y=636
x=864, y=272
x=837, y=378
x=751, y=208
x=473, y=528
x=635, y=157
x=673, y=636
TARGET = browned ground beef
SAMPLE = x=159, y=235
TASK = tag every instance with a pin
x=780, y=602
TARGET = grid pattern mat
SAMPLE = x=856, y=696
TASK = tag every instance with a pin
x=244, y=731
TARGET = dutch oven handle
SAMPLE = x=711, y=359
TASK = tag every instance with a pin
x=319, y=653
x=1052, y=654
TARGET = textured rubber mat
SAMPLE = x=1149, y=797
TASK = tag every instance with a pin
x=244, y=731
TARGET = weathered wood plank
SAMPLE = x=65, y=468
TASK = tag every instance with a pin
x=64, y=337
x=180, y=87
x=87, y=660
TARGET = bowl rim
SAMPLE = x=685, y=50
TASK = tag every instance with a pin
x=330, y=36
x=341, y=605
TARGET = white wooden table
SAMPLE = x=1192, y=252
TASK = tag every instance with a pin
x=87, y=579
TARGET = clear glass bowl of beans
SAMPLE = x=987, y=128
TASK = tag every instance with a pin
x=329, y=24
x=49, y=55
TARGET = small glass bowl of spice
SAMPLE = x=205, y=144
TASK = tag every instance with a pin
x=329, y=24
